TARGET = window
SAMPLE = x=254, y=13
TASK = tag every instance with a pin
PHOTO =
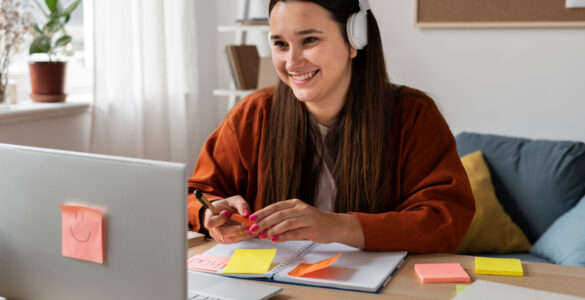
x=79, y=77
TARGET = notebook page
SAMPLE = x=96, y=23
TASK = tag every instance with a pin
x=283, y=252
x=354, y=270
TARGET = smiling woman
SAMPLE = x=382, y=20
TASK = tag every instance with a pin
x=334, y=153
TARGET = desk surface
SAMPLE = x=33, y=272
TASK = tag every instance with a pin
x=405, y=285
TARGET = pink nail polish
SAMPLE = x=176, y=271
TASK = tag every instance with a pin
x=254, y=228
x=274, y=238
x=226, y=213
x=253, y=218
x=246, y=213
x=263, y=235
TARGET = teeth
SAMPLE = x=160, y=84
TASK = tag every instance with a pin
x=303, y=77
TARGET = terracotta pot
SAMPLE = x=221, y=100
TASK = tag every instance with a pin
x=48, y=81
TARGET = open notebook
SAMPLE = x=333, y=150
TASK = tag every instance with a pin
x=356, y=269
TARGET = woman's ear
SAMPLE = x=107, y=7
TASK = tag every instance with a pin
x=352, y=52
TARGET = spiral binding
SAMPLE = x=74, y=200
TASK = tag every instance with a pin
x=292, y=259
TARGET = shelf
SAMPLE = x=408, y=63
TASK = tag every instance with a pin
x=241, y=28
x=28, y=110
x=228, y=92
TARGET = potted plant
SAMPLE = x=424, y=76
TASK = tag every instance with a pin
x=47, y=76
x=15, y=19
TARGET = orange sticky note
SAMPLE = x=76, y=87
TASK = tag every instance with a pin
x=304, y=269
x=441, y=273
x=207, y=262
x=82, y=233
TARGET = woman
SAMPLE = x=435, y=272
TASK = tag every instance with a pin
x=335, y=153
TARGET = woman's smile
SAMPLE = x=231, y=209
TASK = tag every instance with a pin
x=303, y=78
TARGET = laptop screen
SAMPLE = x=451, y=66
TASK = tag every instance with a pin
x=144, y=223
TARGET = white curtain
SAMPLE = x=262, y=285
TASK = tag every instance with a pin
x=152, y=95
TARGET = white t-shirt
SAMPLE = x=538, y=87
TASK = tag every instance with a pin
x=326, y=192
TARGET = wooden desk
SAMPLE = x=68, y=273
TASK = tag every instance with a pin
x=405, y=285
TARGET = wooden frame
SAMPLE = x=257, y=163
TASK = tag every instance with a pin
x=496, y=13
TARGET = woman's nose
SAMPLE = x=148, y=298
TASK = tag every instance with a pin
x=295, y=57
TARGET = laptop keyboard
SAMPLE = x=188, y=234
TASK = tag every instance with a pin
x=202, y=297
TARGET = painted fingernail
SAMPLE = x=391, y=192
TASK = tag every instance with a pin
x=253, y=218
x=246, y=213
x=263, y=235
x=225, y=213
x=254, y=228
x=274, y=238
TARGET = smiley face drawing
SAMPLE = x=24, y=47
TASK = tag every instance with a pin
x=82, y=233
x=79, y=218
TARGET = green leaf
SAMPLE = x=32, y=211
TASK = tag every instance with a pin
x=41, y=44
x=52, y=26
x=63, y=41
x=67, y=12
x=52, y=5
x=38, y=30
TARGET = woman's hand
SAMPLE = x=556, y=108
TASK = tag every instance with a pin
x=223, y=230
x=297, y=220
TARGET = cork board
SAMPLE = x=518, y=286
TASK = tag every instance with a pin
x=497, y=13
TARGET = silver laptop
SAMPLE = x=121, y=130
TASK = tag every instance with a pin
x=145, y=221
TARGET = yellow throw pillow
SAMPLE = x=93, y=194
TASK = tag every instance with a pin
x=491, y=230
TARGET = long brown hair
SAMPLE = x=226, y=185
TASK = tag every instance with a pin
x=358, y=147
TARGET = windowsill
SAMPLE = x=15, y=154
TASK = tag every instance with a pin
x=29, y=110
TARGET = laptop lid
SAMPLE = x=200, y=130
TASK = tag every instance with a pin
x=144, y=206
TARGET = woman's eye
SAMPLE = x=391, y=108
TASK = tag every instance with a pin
x=310, y=40
x=279, y=44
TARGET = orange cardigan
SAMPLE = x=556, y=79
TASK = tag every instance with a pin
x=434, y=204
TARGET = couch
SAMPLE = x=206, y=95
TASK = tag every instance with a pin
x=540, y=185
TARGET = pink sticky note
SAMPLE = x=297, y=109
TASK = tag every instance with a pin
x=82, y=233
x=441, y=273
x=207, y=263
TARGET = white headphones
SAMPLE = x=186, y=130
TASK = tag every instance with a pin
x=357, y=26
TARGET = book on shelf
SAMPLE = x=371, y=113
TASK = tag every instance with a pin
x=355, y=269
x=244, y=62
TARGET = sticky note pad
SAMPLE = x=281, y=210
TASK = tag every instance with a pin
x=498, y=266
x=207, y=262
x=460, y=287
x=250, y=261
x=452, y=272
x=82, y=233
x=303, y=269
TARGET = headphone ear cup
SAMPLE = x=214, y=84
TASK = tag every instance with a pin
x=357, y=29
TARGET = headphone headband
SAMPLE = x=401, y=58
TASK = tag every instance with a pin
x=364, y=5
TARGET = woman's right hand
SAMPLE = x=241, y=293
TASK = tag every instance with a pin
x=223, y=230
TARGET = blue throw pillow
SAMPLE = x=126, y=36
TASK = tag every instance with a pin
x=564, y=242
x=536, y=181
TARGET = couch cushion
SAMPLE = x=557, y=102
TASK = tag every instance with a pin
x=564, y=242
x=491, y=230
x=536, y=181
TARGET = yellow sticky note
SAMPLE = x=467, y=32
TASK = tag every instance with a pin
x=498, y=266
x=250, y=261
x=461, y=287
x=304, y=269
x=82, y=233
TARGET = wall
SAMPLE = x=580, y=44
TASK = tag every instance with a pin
x=521, y=82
